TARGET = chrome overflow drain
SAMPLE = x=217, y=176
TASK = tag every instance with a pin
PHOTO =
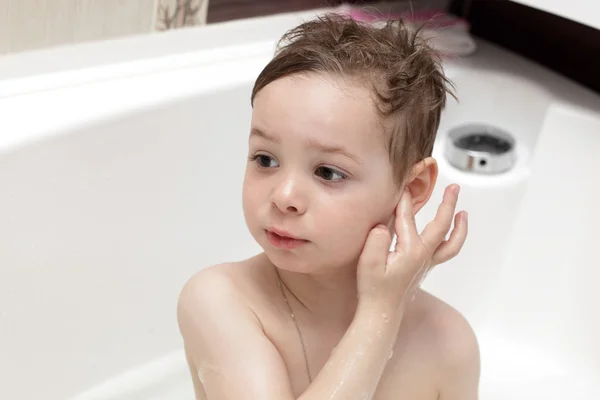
x=482, y=149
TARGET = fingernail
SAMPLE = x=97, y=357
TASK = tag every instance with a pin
x=456, y=189
x=465, y=216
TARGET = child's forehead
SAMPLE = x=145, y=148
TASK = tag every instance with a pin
x=318, y=106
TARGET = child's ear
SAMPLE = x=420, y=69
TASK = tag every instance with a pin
x=422, y=181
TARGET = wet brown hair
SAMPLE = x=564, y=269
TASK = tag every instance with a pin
x=403, y=71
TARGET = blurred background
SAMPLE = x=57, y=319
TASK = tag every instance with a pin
x=562, y=35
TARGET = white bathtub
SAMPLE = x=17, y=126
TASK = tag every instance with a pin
x=109, y=155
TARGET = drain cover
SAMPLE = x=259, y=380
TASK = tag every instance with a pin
x=480, y=149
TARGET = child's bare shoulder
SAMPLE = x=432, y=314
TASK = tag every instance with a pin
x=451, y=340
x=229, y=280
x=454, y=337
x=231, y=286
x=217, y=318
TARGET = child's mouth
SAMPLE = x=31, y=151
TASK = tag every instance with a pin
x=284, y=242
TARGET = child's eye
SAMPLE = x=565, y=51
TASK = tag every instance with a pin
x=330, y=174
x=264, y=161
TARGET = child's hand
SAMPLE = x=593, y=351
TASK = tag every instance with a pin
x=391, y=278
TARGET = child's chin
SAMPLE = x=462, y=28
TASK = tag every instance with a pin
x=300, y=262
x=290, y=261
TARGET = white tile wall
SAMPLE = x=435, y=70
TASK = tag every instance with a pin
x=4, y=28
x=33, y=24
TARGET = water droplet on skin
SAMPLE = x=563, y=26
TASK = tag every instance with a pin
x=201, y=372
x=391, y=355
x=385, y=317
x=379, y=334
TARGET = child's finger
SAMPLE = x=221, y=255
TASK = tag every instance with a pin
x=376, y=249
x=450, y=248
x=404, y=225
x=436, y=230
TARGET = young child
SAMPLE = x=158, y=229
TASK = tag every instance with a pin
x=343, y=124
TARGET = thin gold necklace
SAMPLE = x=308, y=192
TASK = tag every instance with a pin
x=281, y=284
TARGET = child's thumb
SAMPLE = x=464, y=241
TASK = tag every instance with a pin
x=376, y=248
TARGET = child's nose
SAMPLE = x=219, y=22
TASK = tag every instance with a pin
x=288, y=196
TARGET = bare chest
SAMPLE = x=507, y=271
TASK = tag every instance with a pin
x=409, y=375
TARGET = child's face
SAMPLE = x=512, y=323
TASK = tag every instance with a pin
x=322, y=172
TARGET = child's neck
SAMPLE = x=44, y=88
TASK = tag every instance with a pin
x=329, y=298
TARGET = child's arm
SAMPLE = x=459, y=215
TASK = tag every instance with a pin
x=459, y=359
x=226, y=344
x=235, y=360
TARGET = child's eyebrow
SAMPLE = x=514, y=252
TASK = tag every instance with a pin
x=312, y=144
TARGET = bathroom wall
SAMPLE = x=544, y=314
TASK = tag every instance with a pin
x=31, y=24
x=35, y=24
x=225, y=10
